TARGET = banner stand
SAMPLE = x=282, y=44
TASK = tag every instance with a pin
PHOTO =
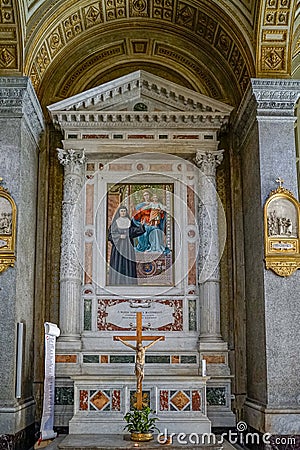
x=51, y=333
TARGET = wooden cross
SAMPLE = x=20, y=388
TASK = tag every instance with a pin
x=280, y=181
x=140, y=354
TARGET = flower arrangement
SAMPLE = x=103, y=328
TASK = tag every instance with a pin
x=140, y=424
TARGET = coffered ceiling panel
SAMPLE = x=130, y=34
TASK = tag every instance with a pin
x=212, y=46
x=11, y=42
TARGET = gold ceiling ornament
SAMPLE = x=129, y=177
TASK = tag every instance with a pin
x=8, y=212
x=273, y=56
x=10, y=43
x=281, y=229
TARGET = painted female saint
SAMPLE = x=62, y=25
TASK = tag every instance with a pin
x=123, y=230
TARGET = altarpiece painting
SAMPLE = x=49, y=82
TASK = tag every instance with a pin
x=140, y=234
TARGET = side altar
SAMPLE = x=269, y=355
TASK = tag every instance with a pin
x=143, y=231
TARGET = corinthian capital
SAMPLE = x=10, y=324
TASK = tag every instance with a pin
x=207, y=161
x=70, y=156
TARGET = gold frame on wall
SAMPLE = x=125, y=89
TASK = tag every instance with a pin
x=8, y=215
x=281, y=229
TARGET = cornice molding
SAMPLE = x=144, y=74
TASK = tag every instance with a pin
x=167, y=105
x=266, y=99
x=18, y=99
x=129, y=119
x=276, y=97
x=142, y=85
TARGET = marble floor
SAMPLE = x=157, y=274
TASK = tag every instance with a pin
x=114, y=442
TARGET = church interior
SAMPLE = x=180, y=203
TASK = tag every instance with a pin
x=149, y=163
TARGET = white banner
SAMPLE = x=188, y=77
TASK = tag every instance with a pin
x=51, y=333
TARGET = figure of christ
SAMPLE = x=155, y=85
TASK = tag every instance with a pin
x=157, y=213
x=140, y=358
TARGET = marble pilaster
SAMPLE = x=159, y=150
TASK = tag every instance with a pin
x=266, y=142
x=71, y=247
x=22, y=125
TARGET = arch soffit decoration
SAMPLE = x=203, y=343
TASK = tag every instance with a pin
x=275, y=38
x=296, y=44
x=276, y=25
x=12, y=30
x=77, y=29
x=120, y=56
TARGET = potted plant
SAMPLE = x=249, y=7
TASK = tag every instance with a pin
x=140, y=424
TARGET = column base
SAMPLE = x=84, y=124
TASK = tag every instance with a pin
x=16, y=418
x=218, y=345
x=279, y=421
x=209, y=338
x=23, y=439
x=66, y=343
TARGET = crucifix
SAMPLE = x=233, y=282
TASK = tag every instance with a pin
x=280, y=181
x=140, y=354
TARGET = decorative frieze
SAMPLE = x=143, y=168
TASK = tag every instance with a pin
x=130, y=359
x=177, y=400
x=213, y=120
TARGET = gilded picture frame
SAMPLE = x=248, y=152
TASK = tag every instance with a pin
x=8, y=216
x=281, y=230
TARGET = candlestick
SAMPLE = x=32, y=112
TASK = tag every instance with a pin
x=203, y=367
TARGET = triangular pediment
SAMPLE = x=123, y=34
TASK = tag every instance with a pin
x=140, y=91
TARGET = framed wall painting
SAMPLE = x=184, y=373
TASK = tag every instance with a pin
x=140, y=234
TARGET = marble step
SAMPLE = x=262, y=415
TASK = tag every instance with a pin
x=116, y=442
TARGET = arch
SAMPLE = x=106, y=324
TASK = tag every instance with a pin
x=207, y=47
x=189, y=67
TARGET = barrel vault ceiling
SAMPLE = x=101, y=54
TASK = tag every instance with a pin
x=211, y=46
